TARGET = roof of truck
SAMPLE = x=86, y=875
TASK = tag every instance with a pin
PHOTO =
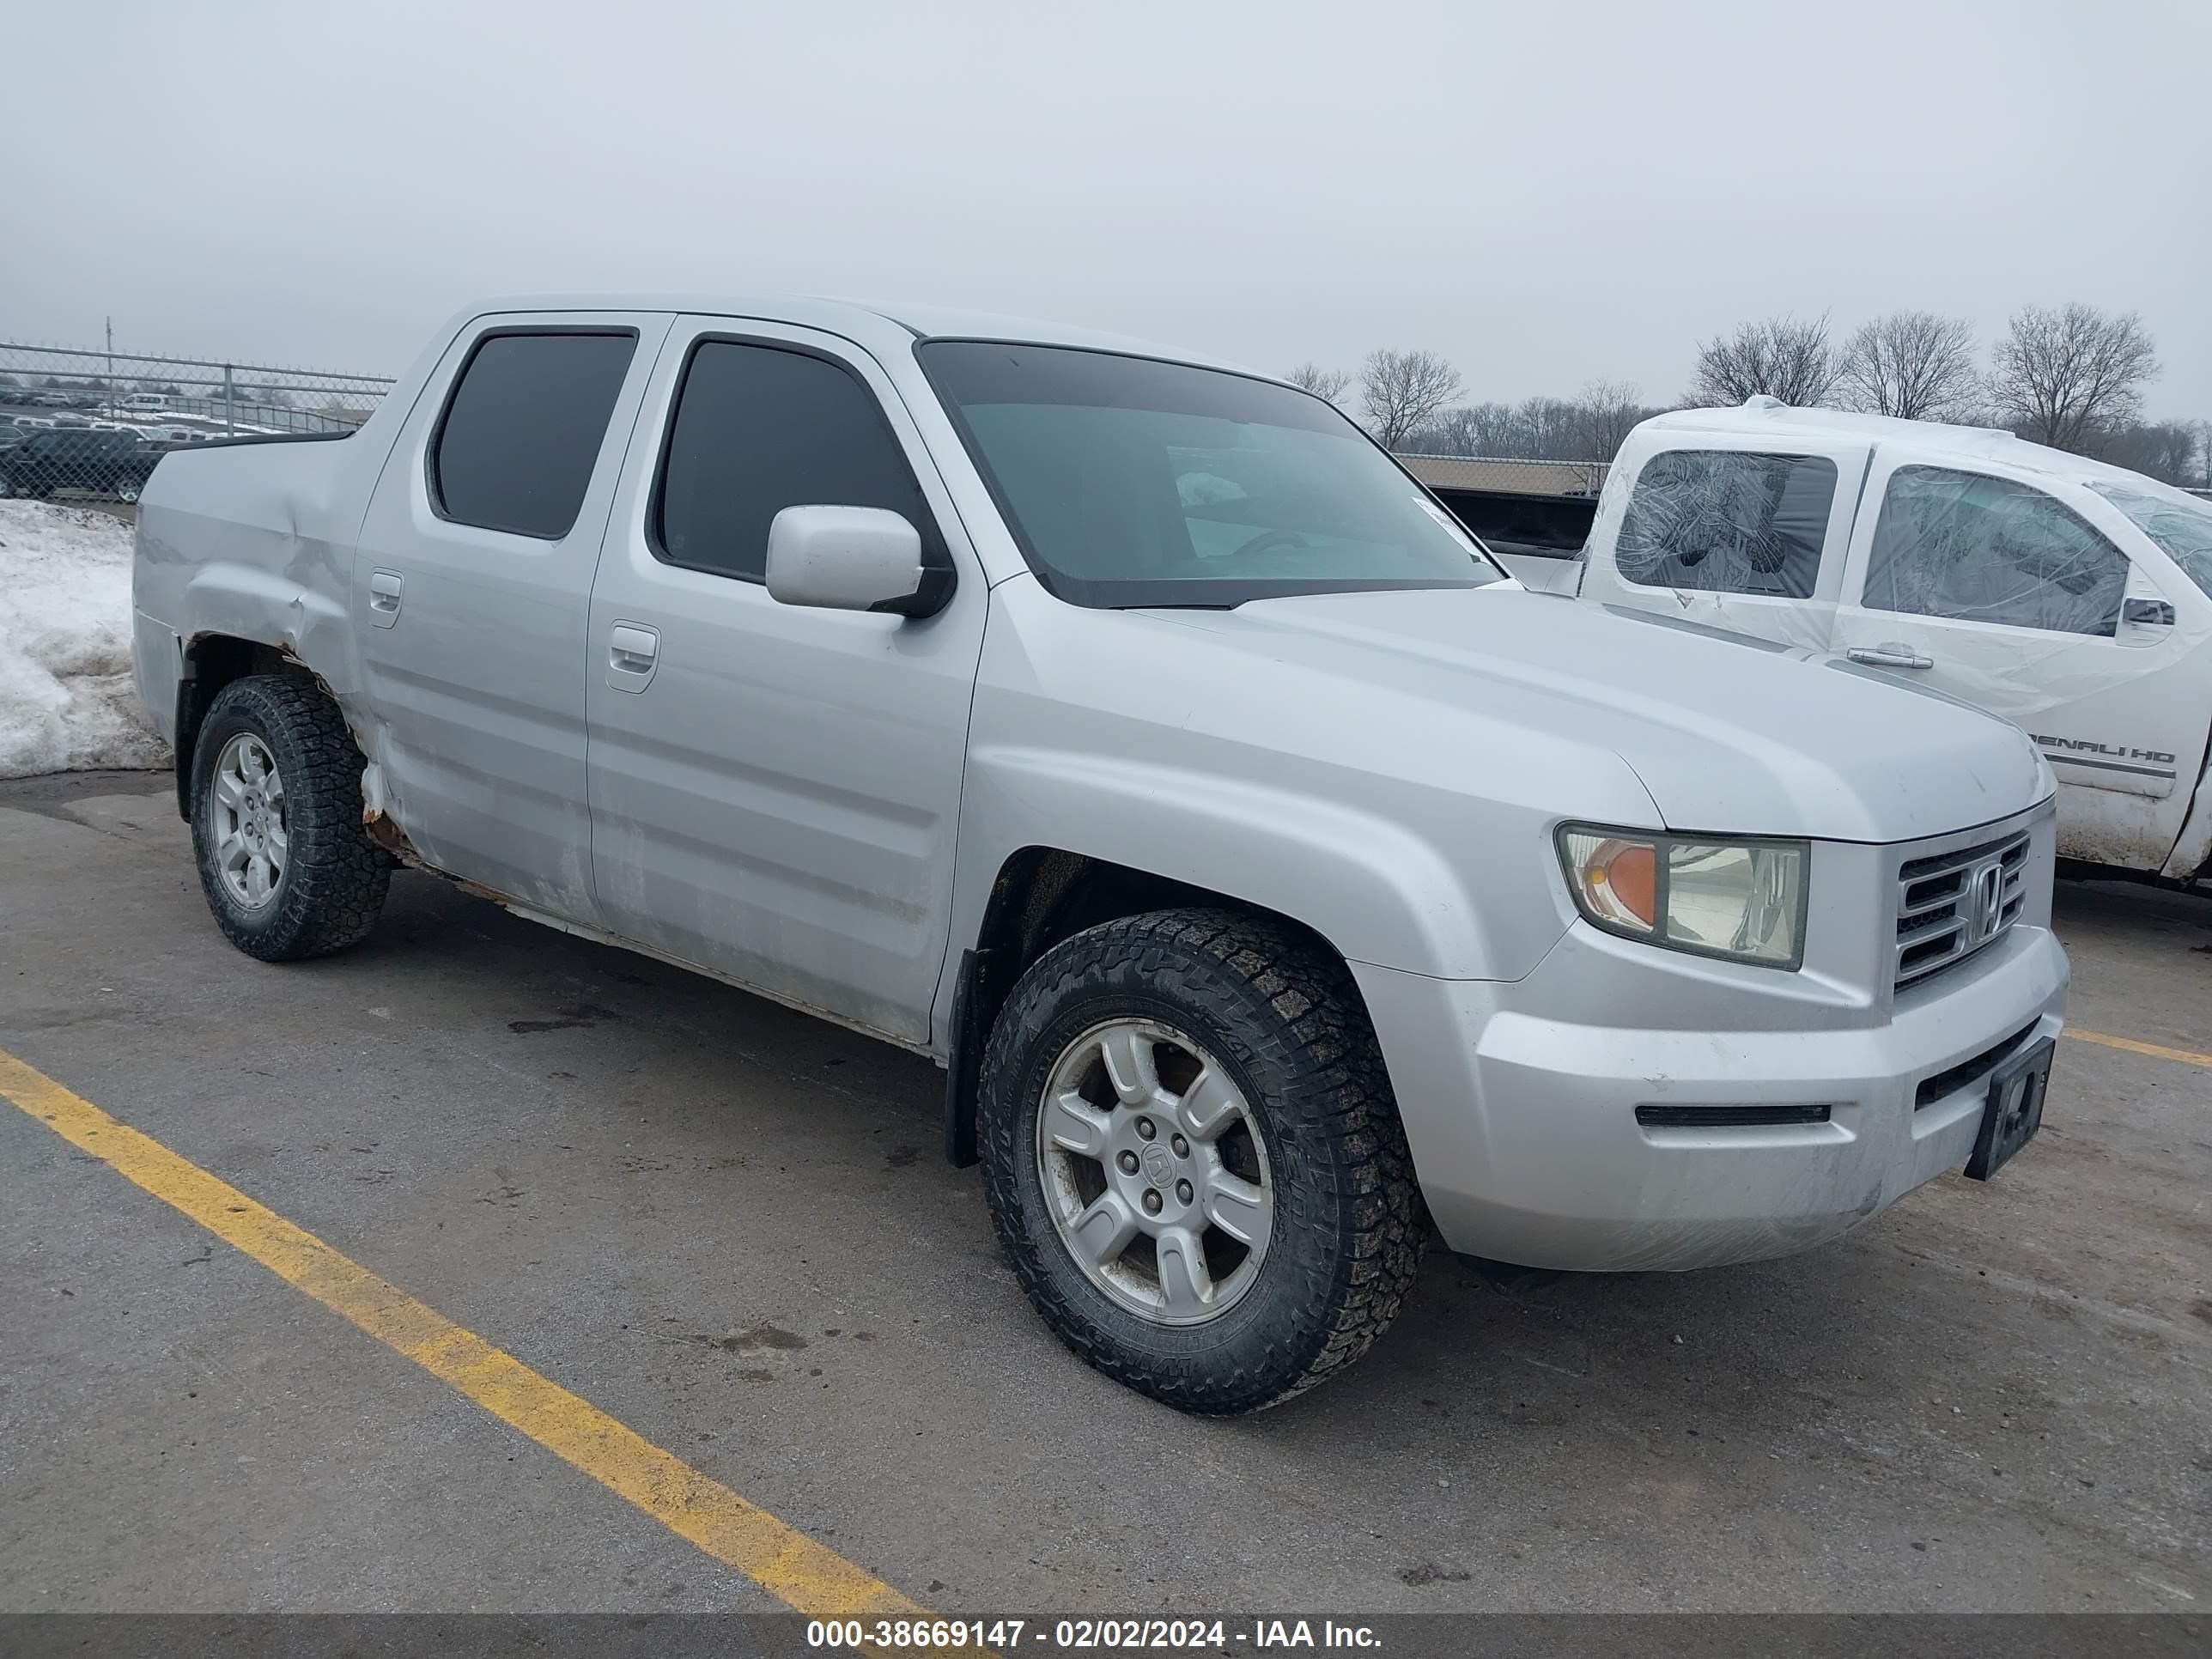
x=865, y=322
x=1936, y=440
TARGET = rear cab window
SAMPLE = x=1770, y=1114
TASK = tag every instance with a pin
x=521, y=431
x=1728, y=521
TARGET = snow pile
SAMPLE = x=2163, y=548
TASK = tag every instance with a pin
x=66, y=699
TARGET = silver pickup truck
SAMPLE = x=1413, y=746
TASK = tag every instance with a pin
x=1275, y=878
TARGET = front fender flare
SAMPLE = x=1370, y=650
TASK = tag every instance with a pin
x=1375, y=891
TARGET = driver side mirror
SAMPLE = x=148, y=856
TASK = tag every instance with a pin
x=852, y=558
x=2151, y=613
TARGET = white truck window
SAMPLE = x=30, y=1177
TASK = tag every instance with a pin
x=2181, y=525
x=515, y=448
x=1728, y=521
x=1973, y=548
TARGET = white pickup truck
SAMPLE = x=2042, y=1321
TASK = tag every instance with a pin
x=2071, y=597
x=1275, y=878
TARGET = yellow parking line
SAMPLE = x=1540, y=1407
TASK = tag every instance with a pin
x=779, y=1559
x=2156, y=1051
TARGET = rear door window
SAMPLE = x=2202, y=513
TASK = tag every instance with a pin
x=1974, y=547
x=758, y=428
x=522, y=431
x=1728, y=521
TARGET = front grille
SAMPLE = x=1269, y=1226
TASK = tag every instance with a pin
x=1951, y=904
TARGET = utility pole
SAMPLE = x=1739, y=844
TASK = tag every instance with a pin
x=110, y=365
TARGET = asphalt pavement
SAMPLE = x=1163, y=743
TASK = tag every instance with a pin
x=729, y=1228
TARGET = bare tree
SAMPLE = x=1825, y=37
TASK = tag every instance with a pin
x=1589, y=426
x=1779, y=357
x=1329, y=384
x=1449, y=432
x=1911, y=364
x=1547, y=427
x=1470, y=429
x=1492, y=429
x=2067, y=377
x=2165, y=450
x=1403, y=391
x=2173, y=451
x=1605, y=411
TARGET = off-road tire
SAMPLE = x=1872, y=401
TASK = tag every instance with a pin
x=335, y=878
x=1282, y=1015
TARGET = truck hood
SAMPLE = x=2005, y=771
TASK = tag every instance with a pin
x=1729, y=735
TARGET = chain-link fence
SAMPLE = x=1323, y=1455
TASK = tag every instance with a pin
x=1506, y=476
x=95, y=421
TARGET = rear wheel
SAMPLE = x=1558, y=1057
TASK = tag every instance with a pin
x=287, y=867
x=1195, y=1160
x=127, y=490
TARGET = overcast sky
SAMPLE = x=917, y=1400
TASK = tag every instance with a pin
x=1545, y=193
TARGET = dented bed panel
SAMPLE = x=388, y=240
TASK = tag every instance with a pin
x=255, y=542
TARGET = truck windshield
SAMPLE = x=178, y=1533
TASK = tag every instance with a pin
x=1130, y=482
x=2181, y=523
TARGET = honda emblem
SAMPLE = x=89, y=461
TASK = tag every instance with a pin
x=1985, y=905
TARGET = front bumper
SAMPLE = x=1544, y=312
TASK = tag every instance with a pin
x=1520, y=1099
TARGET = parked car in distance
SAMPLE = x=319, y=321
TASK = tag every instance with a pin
x=1271, y=875
x=2071, y=597
x=115, y=464
x=145, y=403
x=62, y=398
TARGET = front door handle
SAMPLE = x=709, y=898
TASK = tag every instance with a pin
x=385, y=590
x=632, y=652
x=1890, y=654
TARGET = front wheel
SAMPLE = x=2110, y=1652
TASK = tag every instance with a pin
x=127, y=490
x=1195, y=1160
x=288, y=868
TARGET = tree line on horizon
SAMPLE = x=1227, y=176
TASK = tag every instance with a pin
x=2070, y=376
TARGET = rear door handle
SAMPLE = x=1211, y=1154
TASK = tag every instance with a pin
x=384, y=596
x=1890, y=654
x=632, y=651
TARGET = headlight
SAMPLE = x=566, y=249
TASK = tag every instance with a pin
x=1743, y=900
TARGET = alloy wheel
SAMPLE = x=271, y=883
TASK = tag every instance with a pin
x=251, y=842
x=1154, y=1171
